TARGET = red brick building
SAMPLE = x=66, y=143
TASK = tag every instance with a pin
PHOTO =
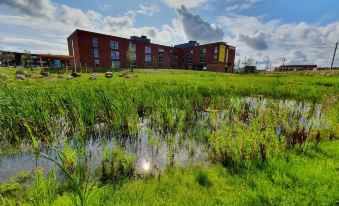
x=99, y=50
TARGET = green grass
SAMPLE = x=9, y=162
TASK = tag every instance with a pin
x=263, y=170
x=311, y=178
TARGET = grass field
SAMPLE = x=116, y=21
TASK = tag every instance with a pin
x=250, y=163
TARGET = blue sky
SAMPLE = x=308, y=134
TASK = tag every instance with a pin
x=265, y=30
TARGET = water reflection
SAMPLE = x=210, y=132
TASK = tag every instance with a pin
x=151, y=148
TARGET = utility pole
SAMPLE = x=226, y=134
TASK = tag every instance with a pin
x=283, y=59
x=335, y=51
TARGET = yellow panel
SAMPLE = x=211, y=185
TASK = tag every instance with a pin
x=222, y=53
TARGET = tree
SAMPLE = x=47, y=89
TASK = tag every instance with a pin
x=7, y=57
x=130, y=54
x=155, y=61
x=26, y=59
x=248, y=62
x=237, y=65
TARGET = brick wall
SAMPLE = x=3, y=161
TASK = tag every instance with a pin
x=84, y=53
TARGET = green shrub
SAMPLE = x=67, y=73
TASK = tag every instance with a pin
x=117, y=166
x=247, y=140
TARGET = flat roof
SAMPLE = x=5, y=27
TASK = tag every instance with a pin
x=96, y=33
x=52, y=56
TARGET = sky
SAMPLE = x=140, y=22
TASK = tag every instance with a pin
x=301, y=31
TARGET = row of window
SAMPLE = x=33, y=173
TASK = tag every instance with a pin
x=148, y=61
x=115, y=55
x=148, y=50
x=133, y=47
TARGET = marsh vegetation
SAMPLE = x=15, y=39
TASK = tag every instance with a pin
x=170, y=137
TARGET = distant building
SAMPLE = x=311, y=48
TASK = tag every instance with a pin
x=246, y=69
x=99, y=50
x=42, y=60
x=296, y=67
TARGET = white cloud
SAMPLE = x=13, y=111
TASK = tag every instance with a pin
x=240, y=5
x=186, y=3
x=254, y=40
x=198, y=29
x=34, y=45
x=117, y=23
x=272, y=40
x=104, y=6
x=143, y=9
x=74, y=17
x=49, y=35
x=34, y=8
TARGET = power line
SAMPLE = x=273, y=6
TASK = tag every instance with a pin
x=326, y=45
x=323, y=47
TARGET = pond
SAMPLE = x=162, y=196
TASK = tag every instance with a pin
x=154, y=149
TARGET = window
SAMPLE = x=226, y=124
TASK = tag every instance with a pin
x=95, y=42
x=133, y=47
x=203, y=51
x=96, y=53
x=215, y=50
x=148, y=58
x=115, y=55
x=96, y=62
x=161, y=60
x=116, y=63
x=148, y=64
x=133, y=64
x=215, y=58
x=202, y=60
x=173, y=57
x=148, y=50
x=227, y=56
x=114, y=45
x=133, y=56
x=161, y=51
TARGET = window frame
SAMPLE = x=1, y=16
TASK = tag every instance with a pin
x=95, y=42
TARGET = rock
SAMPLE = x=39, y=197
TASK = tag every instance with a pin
x=108, y=74
x=75, y=74
x=45, y=74
x=92, y=77
x=70, y=78
x=20, y=77
x=20, y=72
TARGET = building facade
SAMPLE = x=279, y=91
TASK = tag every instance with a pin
x=296, y=67
x=38, y=60
x=99, y=50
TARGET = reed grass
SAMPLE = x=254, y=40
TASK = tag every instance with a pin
x=252, y=163
x=118, y=102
